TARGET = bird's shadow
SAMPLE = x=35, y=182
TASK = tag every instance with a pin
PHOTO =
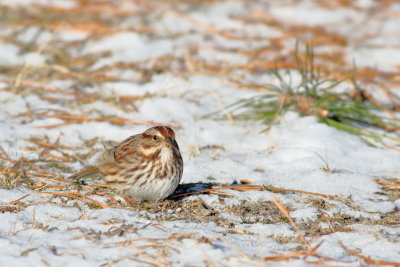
x=188, y=188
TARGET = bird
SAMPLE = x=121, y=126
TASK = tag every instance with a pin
x=144, y=167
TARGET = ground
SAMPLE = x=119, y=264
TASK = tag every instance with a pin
x=297, y=192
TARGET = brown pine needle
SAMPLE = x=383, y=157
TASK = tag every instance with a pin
x=99, y=185
x=50, y=180
x=2, y=151
x=298, y=191
x=32, y=175
x=89, y=190
x=208, y=27
x=385, y=109
x=81, y=119
x=312, y=250
x=387, y=182
x=53, y=186
x=250, y=187
x=55, y=125
x=16, y=201
x=368, y=260
x=94, y=201
x=285, y=212
x=146, y=246
x=9, y=172
x=392, y=147
x=136, y=240
x=52, y=156
x=165, y=261
x=288, y=256
x=48, y=145
x=46, y=88
x=303, y=254
x=73, y=195
x=93, y=191
x=65, y=195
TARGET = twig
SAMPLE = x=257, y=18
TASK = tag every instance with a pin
x=285, y=212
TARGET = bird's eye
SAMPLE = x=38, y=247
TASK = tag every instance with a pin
x=155, y=137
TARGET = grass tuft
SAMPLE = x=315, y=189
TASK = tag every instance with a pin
x=310, y=93
x=11, y=180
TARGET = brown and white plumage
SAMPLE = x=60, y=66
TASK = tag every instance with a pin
x=146, y=166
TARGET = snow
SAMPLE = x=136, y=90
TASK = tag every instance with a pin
x=126, y=47
x=384, y=59
x=298, y=153
x=320, y=16
x=11, y=57
x=58, y=3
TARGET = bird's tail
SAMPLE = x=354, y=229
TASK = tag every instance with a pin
x=84, y=173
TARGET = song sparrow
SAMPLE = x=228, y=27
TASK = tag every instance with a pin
x=146, y=166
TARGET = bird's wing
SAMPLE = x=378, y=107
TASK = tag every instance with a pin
x=125, y=149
